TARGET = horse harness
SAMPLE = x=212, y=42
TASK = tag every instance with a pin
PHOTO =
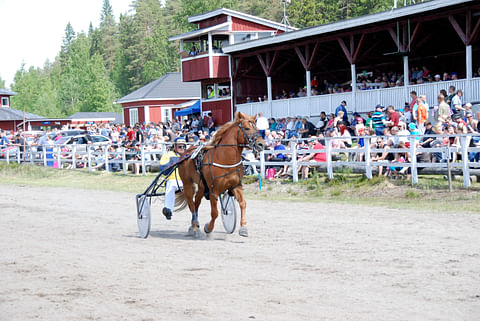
x=199, y=161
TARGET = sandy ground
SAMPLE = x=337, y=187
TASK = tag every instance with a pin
x=70, y=254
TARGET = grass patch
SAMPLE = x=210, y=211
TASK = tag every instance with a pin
x=411, y=194
x=35, y=175
x=431, y=193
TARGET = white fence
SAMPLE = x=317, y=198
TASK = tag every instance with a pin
x=465, y=166
x=360, y=101
x=84, y=156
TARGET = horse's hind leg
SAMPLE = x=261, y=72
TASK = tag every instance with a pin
x=238, y=193
x=208, y=228
x=189, y=191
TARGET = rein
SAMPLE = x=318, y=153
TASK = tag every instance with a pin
x=250, y=139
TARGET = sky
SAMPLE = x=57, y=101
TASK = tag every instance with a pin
x=32, y=30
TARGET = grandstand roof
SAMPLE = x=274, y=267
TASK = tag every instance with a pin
x=391, y=15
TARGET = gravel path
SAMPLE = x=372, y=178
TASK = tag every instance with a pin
x=71, y=254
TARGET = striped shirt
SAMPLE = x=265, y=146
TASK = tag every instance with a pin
x=377, y=118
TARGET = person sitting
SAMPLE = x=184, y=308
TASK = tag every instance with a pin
x=193, y=51
x=174, y=182
x=314, y=144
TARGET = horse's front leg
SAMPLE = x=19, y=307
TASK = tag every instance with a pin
x=208, y=228
x=238, y=193
x=189, y=191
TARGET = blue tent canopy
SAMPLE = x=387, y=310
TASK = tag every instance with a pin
x=193, y=109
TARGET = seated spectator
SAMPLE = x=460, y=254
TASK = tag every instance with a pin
x=314, y=144
x=385, y=155
x=193, y=51
x=307, y=129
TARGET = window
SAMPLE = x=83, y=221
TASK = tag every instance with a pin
x=214, y=91
x=99, y=139
x=5, y=102
x=264, y=34
x=241, y=37
x=133, y=112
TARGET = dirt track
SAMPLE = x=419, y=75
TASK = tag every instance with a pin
x=71, y=254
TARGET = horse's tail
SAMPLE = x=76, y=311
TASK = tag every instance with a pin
x=180, y=202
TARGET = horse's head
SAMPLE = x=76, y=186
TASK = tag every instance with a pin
x=250, y=135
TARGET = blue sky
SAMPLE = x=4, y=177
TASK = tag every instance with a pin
x=32, y=30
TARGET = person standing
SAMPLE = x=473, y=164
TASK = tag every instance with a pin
x=173, y=179
x=378, y=121
x=262, y=124
x=421, y=115
x=342, y=107
x=457, y=104
x=443, y=111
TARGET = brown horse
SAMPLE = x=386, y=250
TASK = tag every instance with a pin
x=218, y=168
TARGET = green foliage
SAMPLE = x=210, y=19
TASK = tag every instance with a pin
x=93, y=70
x=308, y=13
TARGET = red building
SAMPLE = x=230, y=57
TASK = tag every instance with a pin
x=5, y=97
x=158, y=100
x=202, y=57
x=364, y=61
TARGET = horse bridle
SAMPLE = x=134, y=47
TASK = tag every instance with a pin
x=251, y=139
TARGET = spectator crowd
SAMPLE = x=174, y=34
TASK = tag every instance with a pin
x=389, y=127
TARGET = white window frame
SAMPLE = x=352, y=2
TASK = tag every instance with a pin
x=7, y=100
x=133, y=113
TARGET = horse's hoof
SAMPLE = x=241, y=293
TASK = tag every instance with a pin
x=243, y=231
x=205, y=228
x=190, y=231
x=196, y=233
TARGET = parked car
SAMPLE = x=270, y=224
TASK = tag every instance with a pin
x=68, y=133
x=83, y=140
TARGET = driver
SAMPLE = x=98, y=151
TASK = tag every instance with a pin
x=173, y=181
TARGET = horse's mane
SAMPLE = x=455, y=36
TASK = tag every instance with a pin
x=225, y=128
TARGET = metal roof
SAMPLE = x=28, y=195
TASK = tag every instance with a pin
x=116, y=117
x=7, y=92
x=199, y=32
x=170, y=86
x=416, y=9
x=240, y=15
x=7, y=113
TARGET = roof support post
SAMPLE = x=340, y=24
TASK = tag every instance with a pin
x=468, y=73
x=269, y=88
x=309, y=84
x=210, y=55
x=469, y=62
x=405, y=76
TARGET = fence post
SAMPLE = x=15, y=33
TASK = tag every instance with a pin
x=329, y=158
x=465, y=169
x=262, y=164
x=44, y=154
x=31, y=154
x=8, y=155
x=18, y=155
x=413, y=159
x=124, y=161
x=294, y=161
x=59, y=156
x=106, y=158
x=144, y=171
x=368, y=159
x=89, y=155
x=74, y=156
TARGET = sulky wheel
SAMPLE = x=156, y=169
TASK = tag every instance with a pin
x=229, y=212
x=143, y=215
